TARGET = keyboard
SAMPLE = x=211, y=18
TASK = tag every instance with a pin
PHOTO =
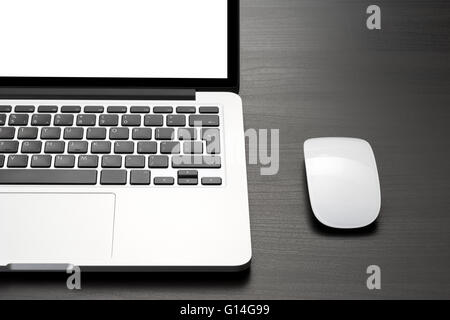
x=107, y=145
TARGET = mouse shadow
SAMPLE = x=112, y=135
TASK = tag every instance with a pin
x=134, y=279
x=324, y=230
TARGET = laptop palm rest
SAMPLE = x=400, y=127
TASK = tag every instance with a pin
x=57, y=228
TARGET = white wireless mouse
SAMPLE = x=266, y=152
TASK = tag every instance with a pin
x=343, y=183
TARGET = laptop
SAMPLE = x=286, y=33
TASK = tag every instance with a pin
x=121, y=136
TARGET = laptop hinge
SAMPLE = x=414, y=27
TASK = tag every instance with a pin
x=96, y=93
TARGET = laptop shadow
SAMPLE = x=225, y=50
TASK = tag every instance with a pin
x=169, y=279
x=133, y=280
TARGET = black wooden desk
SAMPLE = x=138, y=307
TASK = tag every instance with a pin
x=311, y=68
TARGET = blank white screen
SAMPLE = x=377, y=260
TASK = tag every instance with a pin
x=112, y=38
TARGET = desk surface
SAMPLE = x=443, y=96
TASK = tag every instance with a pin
x=311, y=68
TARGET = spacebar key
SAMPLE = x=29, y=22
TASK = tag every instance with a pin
x=53, y=176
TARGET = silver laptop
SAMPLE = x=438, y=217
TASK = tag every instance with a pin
x=121, y=136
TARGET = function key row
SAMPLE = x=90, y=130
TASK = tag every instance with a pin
x=110, y=109
x=41, y=109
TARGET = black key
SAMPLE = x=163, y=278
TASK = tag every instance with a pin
x=77, y=147
x=27, y=133
x=108, y=120
x=140, y=109
x=5, y=109
x=203, y=121
x=123, y=147
x=119, y=133
x=48, y=176
x=162, y=110
x=166, y=147
x=41, y=120
x=17, y=161
x=187, y=181
x=117, y=109
x=63, y=161
x=185, y=109
x=209, y=110
x=41, y=161
x=158, y=161
x=212, y=138
x=187, y=134
x=70, y=109
x=153, y=120
x=47, y=109
x=73, y=133
x=18, y=119
x=7, y=133
x=24, y=109
x=210, y=133
x=195, y=147
x=88, y=161
x=142, y=134
x=63, y=120
x=54, y=147
x=96, y=134
x=147, y=147
x=9, y=146
x=86, y=120
x=140, y=177
x=31, y=147
x=113, y=177
x=101, y=147
x=176, y=120
x=2, y=119
x=206, y=162
x=131, y=120
x=187, y=174
x=50, y=133
x=211, y=181
x=164, y=181
x=164, y=134
x=134, y=161
x=111, y=161
x=94, y=109
x=2, y=160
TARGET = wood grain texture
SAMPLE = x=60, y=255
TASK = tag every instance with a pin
x=311, y=68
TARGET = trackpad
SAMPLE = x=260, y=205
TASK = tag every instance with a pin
x=55, y=227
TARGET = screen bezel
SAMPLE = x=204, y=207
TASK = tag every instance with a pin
x=231, y=83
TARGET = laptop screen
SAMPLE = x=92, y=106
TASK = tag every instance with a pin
x=114, y=38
